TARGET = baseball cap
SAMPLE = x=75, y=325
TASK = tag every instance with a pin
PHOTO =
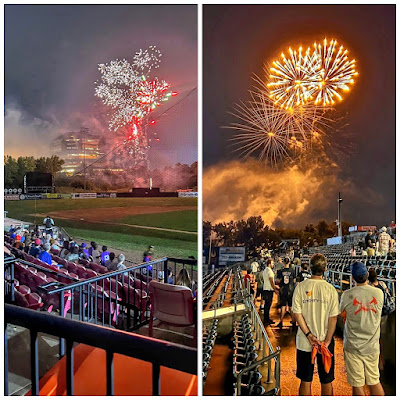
x=384, y=229
x=83, y=244
x=37, y=241
x=17, y=238
x=358, y=269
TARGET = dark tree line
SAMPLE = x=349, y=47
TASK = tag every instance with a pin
x=15, y=169
x=254, y=233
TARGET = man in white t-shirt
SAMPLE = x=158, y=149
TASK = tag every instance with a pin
x=384, y=241
x=268, y=290
x=315, y=308
x=254, y=267
x=361, y=308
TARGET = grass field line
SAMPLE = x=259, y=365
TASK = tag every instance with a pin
x=123, y=224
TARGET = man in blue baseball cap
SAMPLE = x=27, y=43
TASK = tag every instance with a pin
x=361, y=308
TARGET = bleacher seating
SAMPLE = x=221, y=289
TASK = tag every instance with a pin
x=244, y=355
x=34, y=273
x=209, y=337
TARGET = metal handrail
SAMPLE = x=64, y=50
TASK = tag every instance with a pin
x=106, y=276
x=158, y=352
x=262, y=336
x=276, y=356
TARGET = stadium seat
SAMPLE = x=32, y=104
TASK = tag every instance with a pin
x=171, y=304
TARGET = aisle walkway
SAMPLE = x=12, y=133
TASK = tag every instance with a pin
x=285, y=338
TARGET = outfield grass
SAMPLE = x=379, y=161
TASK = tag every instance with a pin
x=43, y=206
x=121, y=236
x=162, y=247
x=182, y=220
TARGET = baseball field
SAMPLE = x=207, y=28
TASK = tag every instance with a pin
x=127, y=224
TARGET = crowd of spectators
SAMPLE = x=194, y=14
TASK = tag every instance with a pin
x=314, y=306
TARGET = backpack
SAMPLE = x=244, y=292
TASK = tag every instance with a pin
x=389, y=304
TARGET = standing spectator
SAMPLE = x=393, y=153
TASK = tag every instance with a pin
x=362, y=307
x=148, y=254
x=249, y=282
x=315, y=307
x=268, y=290
x=303, y=274
x=48, y=223
x=384, y=241
x=286, y=280
x=254, y=267
x=104, y=256
x=45, y=255
x=279, y=264
x=370, y=244
x=260, y=284
x=35, y=249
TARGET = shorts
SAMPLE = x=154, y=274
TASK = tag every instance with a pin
x=285, y=299
x=305, y=370
x=362, y=370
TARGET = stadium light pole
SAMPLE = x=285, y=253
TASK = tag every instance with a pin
x=339, y=222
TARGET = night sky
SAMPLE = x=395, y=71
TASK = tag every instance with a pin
x=238, y=40
x=51, y=57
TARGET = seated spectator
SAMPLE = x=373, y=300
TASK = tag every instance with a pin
x=53, y=245
x=35, y=249
x=353, y=251
x=112, y=263
x=94, y=253
x=104, y=256
x=121, y=265
x=65, y=250
x=12, y=229
x=74, y=254
x=170, y=278
x=17, y=244
x=183, y=279
x=84, y=252
x=45, y=255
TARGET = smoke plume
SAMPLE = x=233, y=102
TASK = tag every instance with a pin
x=291, y=197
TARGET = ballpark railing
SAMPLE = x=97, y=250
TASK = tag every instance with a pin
x=118, y=299
x=155, y=351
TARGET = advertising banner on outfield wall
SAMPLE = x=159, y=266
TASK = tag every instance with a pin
x=231, y=255
x=11, y=197
x=83, y=195
x=31, y=196
x=187, y=194
x=106, y=195
x=51, y=196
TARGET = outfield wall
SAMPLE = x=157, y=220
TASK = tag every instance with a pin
x=55, y=196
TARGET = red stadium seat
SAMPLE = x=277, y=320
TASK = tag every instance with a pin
x=171, y=304
x=24, y=289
